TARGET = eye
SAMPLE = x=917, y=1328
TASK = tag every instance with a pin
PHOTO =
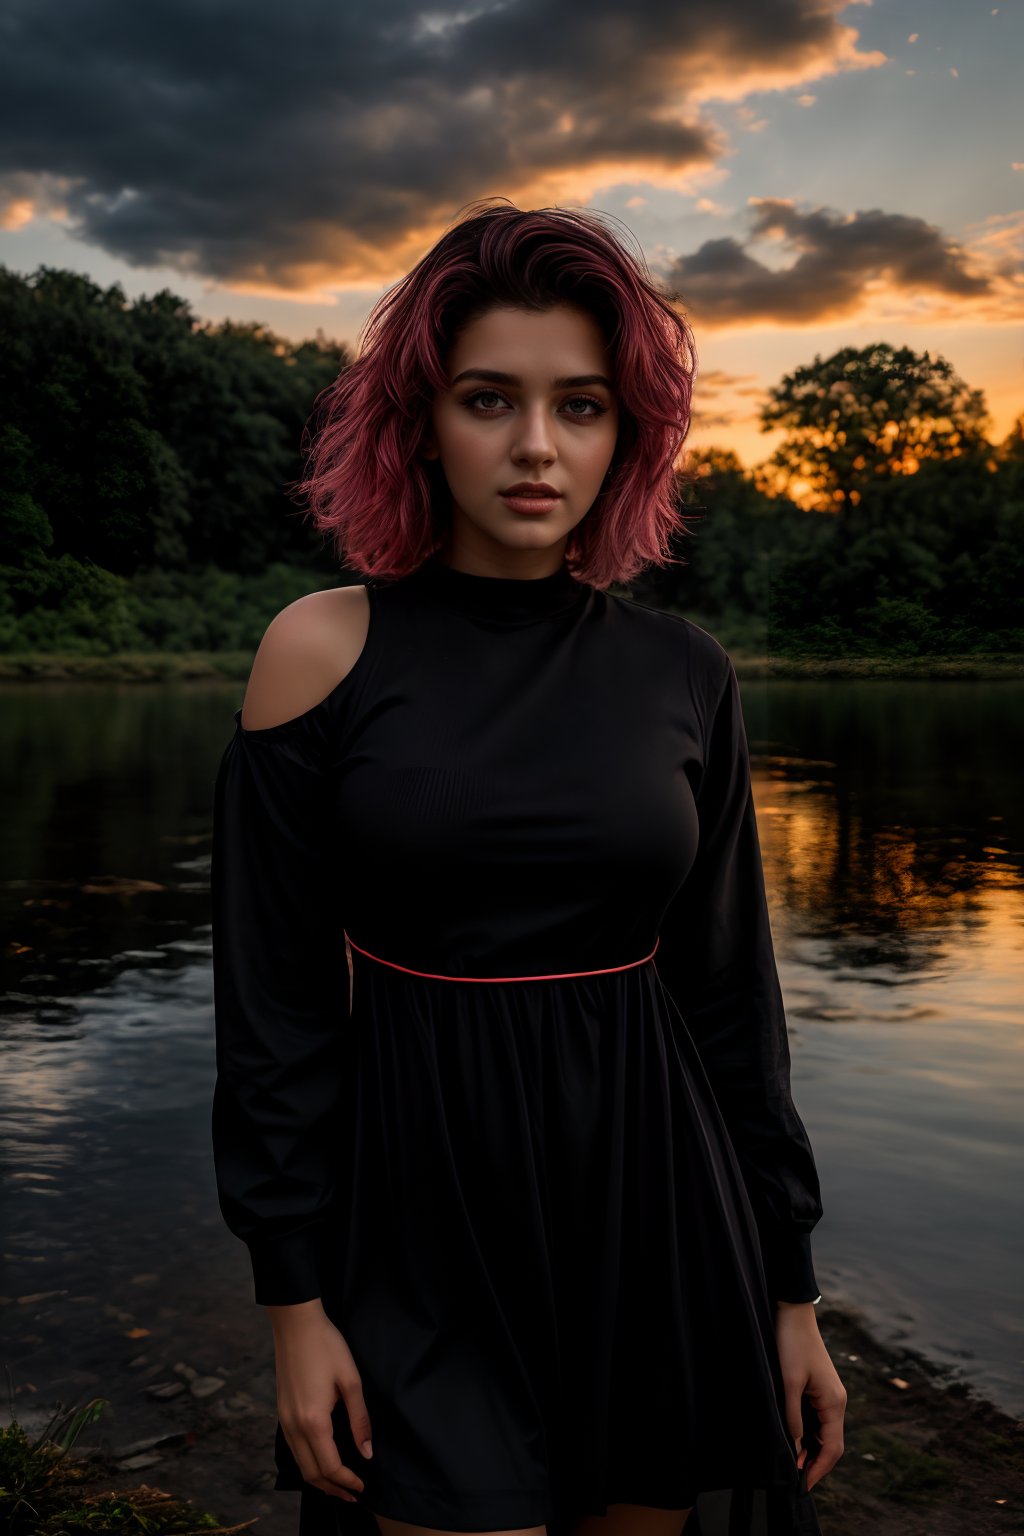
x=483, y=394
x=598, y=409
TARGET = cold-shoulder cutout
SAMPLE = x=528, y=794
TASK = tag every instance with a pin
x=309, y=650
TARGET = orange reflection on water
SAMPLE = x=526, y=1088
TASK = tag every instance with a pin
x=829, y=869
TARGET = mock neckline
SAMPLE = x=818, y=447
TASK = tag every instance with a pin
x=501, y=599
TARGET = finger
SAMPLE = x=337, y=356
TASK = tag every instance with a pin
x=794, y=1413
x=831, y=1447
x=358, y=1418
x=329, y=1462
x=308, y=1469
x=318, y=1460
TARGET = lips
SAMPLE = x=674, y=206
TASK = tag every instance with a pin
x=526, y=488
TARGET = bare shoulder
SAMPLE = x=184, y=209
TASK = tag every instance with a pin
x=306, y=651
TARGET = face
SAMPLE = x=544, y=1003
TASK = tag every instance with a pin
x=491, y=434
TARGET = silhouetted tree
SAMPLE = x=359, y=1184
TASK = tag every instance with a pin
x=859, y=417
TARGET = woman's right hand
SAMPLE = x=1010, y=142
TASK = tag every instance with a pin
x=314, y=1367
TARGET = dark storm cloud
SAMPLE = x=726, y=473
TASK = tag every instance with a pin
x=265, y=143
x=838, y=257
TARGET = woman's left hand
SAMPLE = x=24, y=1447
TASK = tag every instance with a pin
x=807, y=1370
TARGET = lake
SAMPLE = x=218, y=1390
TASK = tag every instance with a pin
x=890, y=816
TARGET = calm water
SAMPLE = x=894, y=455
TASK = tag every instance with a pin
x=890, y=819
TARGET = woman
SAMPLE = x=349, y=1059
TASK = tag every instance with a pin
x=525, y=1194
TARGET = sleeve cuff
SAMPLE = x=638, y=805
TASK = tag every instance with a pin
x=286, y=1270
x=788, y=1267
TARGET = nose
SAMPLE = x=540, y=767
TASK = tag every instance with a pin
x=536, y=443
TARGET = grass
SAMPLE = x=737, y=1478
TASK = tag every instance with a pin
x=45, y=1491
x=908, y=1475
x=234, y=666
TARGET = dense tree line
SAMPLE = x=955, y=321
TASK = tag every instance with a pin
x=884, y=522
x=146, y=459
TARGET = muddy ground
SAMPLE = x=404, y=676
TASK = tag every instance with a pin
x=925, y=1456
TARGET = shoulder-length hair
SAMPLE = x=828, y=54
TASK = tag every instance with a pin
x=384, y=506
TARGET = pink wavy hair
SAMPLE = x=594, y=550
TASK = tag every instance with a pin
x=385, y=507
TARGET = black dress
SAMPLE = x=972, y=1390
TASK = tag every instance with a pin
x=546, y=1174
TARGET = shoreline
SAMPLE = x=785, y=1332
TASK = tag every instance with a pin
x=925, y=1455
x=234, y=667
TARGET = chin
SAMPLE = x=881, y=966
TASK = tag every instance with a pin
x=520, y=533
x=534, y=536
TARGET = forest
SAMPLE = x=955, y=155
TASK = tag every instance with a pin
x=146, y=458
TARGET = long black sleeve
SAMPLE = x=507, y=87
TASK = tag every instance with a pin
x=717, y=960
x=280, y=1002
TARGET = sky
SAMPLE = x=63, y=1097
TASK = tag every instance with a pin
x=801, y=175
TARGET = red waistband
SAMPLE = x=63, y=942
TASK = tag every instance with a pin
x=551, y=976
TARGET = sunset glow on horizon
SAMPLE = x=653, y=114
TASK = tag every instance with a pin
x=834, y=175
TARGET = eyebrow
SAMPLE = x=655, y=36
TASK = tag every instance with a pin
x=494, y=377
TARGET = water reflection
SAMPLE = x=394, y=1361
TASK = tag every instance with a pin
x=892, y=840
x=890, y=820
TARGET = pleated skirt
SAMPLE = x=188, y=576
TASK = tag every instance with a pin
x=546, y=1268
